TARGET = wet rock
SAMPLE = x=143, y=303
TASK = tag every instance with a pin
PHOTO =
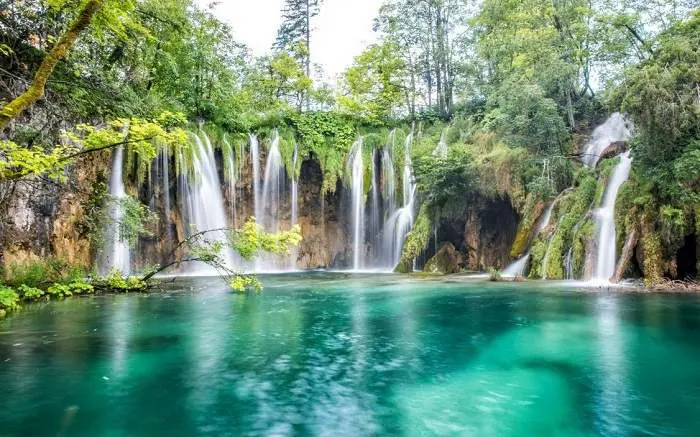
x=447, y=260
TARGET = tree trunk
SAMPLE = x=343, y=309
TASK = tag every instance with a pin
x=36, y=90
x=627, y=252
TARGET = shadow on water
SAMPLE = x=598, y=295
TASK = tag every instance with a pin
x=327, y=353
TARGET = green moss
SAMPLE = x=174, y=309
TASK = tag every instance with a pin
x=530, y=213
x=416, y=241
x=571, y=212
x=579, y=245
x=539, y=248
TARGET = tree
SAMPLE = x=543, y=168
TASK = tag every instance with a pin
x=58, y=52
x=662, y=96
x=294, y=35
x=372, y=84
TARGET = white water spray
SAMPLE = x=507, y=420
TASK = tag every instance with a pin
x=118, y=256
x=203, y=202
x=615, y=128
x=355, y=169
x=606, y=256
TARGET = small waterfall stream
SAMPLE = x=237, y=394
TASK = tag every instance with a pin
x=117, y=254
x=355, y=169
x=232, y=179
x=202, y=199
x=273, y=186
x=605, y=216
x=615, y=128
x=400, y=222
x=441, y=149
x=255, y=160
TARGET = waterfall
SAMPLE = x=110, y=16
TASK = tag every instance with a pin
x=375, y=222
x=615, y=128
x=292, y=261
x=269, y=208
x=165, y=174
x=295, y=186
x=273, y=186
x=202, y=200
x=389, y=176
x=232, y=179
x=605, y=217
x=117, y=255
x=399, y=223
x=569, y=264
x=255, y=159
x=441, y=149
x=355, y=169
x=517, y=269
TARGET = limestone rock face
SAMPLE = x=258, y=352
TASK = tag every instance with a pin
x=447, y=260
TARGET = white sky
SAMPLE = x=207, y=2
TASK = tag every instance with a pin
x=340, y=31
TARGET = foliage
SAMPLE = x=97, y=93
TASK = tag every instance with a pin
x=41, y=272
x=78, y=287
x=241, y=283
x=660, y=95
x=9, y=299
x=446, y=184
x=251, y=239
x=371, y=85
x=30, y=293
x=116, y=281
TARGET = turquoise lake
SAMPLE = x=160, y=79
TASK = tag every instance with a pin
x=332, y=354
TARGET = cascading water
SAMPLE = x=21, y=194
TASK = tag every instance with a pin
x=400, y=221
x=165, y=174
x=355, y=169
x=273, y=186
x=255, y=160
x=375, y=222
x=605, y=217
x=292, y=261
x=389, y=176
x=117, y=254
x=270, y=207
x=615, y=128
x=295, y=186
x=441, y=149
x=517, y=269
x=202, y=200
x=232, y=179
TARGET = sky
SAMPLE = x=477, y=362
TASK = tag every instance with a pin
x=340, y=32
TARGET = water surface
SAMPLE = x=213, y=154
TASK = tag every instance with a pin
x=335, y=355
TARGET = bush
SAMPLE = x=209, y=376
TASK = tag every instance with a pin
x=115, y=281
x=9, y=299
x=59, y=291
x=30, y=293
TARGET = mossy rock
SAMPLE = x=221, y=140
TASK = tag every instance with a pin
x=447, y=260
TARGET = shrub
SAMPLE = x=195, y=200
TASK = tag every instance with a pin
x=9, y=299
x=242, y=283
x=59, y=290
x=115, y=281
x=30, y=293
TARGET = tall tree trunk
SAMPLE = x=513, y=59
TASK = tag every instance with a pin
x=36, y=90
x=439, y=58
